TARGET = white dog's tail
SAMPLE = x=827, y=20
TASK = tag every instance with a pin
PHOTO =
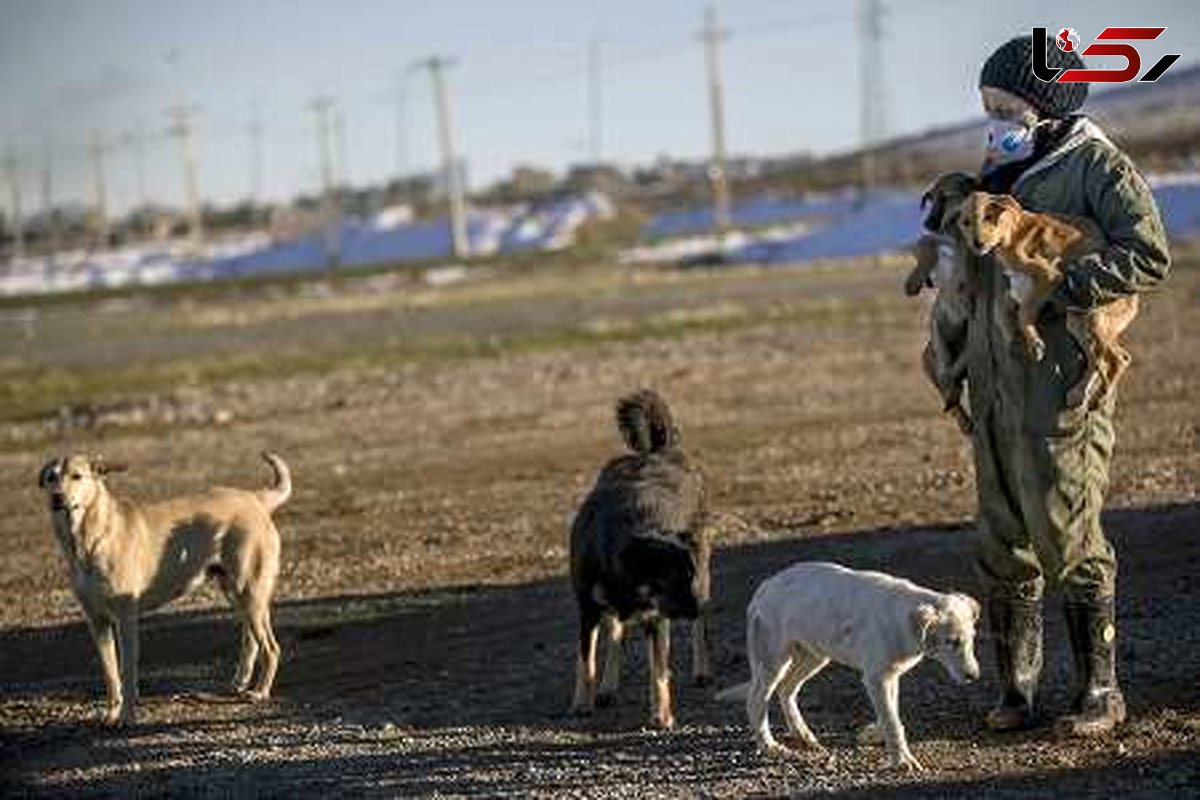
x=734, y=694
x=278, y=494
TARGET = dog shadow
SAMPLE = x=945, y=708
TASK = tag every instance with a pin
x=503, y=656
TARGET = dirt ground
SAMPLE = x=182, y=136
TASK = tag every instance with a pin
x=440, y=439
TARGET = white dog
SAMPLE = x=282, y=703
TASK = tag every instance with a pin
x=813, y=613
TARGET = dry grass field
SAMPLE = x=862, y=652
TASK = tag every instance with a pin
x=440, y=439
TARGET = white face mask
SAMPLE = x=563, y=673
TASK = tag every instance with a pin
x=1008, y=141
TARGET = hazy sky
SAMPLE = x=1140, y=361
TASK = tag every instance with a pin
x=519, y=90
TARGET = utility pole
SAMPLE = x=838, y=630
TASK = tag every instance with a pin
x=713, y=35
x=342, y=174
x=49, y=223
x=595, y=100
x=450, y=167
x=321, y=108
x=99, y=185
x=185, y=132
x=870, y=33
x=14, y=188
x=401, y=126
x=255, y=131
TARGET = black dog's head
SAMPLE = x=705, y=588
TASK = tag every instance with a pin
x=944, y=196
x=663, y=576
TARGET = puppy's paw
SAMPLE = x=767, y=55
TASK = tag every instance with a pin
x=906, y=762
x=113, y=717
x=774, y=749
x=256, y=695
x=869, y=734
x=663, y=723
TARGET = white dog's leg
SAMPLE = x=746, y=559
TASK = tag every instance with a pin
x=127, y=630
x=884, y=691
x=106, y=648
x=758, y=700
x=805, y=664
x=614, y=635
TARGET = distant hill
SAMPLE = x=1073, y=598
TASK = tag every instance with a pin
x=1158, y=123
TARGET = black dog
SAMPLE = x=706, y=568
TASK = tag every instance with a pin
x=640, y=552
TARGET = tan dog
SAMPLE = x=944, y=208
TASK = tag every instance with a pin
x=1033, y=249
x=940, y=266
x=126, y=559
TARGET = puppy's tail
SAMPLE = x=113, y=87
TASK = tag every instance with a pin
x=278, y=494
x=734, y=694
x=645, y=422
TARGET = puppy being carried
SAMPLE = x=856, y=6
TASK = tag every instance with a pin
x=640, y=554
x=127, y=558
x=941, y=266
x=813, y=613
x=1034, y=250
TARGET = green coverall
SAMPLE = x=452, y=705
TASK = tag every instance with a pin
x=1042, y=467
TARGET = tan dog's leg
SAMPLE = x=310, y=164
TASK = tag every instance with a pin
x=103, y=634
x=585, y=668
x=805, y=664
x=259, y=614
x=1027, y=313
x=658, y=638
x=884, y=691
x=614, y=635
x=1082, y=329
x=127, y=630
x=248, y=652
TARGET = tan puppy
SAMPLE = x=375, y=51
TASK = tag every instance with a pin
x=126, y=559
x=1033, y=249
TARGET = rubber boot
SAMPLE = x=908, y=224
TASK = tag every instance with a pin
x=1016, y=626
x=1099, y=706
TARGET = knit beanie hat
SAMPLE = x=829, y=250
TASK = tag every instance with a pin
x=1010, y=68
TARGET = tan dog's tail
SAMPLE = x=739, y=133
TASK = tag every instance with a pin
x=278, y=494
x=734, y=694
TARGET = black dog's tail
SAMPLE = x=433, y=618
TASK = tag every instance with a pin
x=645, y=422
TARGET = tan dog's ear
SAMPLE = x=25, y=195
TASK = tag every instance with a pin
x=102, y=467
x=922, y=617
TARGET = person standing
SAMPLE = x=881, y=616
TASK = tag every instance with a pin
x=1041, y=465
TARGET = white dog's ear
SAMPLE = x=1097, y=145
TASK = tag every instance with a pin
x=972, y=604
x=922, y=617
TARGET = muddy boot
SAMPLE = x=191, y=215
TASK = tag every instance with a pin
x=1016, y=626
x=1099, y=705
